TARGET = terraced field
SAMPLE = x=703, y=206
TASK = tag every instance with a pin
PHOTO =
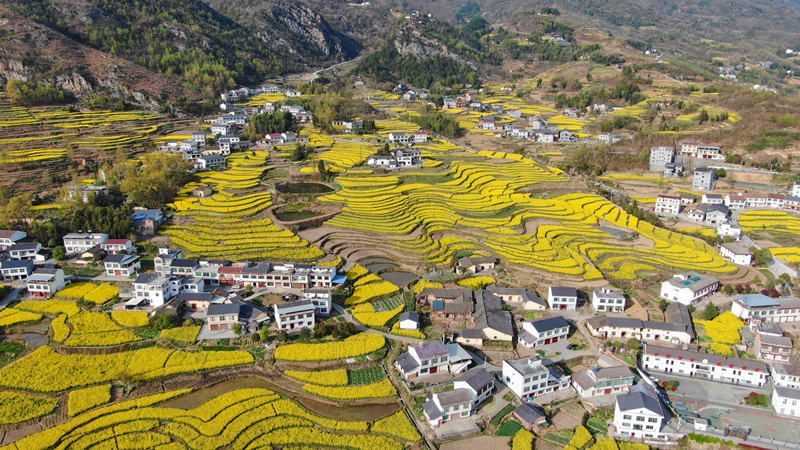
x=231, y=223
x=478, y=203
x=244, y=418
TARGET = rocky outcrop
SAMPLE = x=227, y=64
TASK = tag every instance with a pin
x=310, y=30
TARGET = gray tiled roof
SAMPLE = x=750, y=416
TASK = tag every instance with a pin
x=477, y=378
x=642, y=396
x=223, y=309
x=529, y=413
x=407, y=363
x=427, y=350
x=454, y=397
x=549, y=323
x=563, y=291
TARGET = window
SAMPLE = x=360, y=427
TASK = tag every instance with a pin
x=652, y=420
x=626, y=417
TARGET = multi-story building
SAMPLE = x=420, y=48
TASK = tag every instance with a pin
x=443, y=407
x=688, y=288
x=660, y=156
x=478, y=381
x=785, y=375
x=116, y=246
x=608, y=300
x=672, y=170
x=700, y=151
x=524, y=298
x=529, y=378
x=786, y=401
x=755, y=309
x=153, y=289
x=796, y=189
x=712, y=199
x=81, y=242
x=222, y=316
x=10, y=237
x=16, y=270
x=735, y=201
x=562, y=298
x=603, y=381
x=704, y=179
x=704, y=365
x=432, y=357
x=771, y=344
x=548, y=330
x=45, y=282
x=321, y=298
x=668, y=204
x=640, y=414
x=295, y=315
x=24, y=250
x=736, y=253
x=122, y=265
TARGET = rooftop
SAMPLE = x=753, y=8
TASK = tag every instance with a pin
x=642, y=396
x=288, y=308
x=223, y=309
x=477, y=378
x=549, y=323
x=454, y=397
x=707, y=358
x=563, y=291
x=427, y=350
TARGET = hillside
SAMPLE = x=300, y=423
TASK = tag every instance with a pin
x=186, y=42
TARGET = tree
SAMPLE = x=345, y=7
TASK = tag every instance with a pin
x=264, y=334
x=703, y=116
x=305, y=334
x=266, y=123
x=155, y=179
x=237, y=328
x=710, y=312
x=633, y=344
x=663, y=305
x=299, y=153
x=164, y=321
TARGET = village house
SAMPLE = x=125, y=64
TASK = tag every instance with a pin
x=220, y=129
x=735, y=201
x=222, y=316
x=672, y=170
x=152, y=289
x=210, y=161
x=608, y=300
x=476, y=264
x=524, y=298
x=786, y=402
x=610, y=327
x=771, y=344
x=687, y=199
x=480, y=310
x=80, y=242
x=408, y=320
x=668, y=204
x=430, y=357
x=25, y=250
x=736, y=253
x=712, y=199
x=349, y=126
x=708, y=366
x=756, y=309
x=687, y=288
x=295, y=315
x=701, y=151
x=792, y=203
x=147, y=221
x=565, y=298
x=85, y=193
x=785, y=375
x=640, y=414
x=321, y=298
x=116, y=246
x=122, y=265
x=16, y=270
x=531, y=416
x=286, y=138
x=443, y=407
x=532, y=377
x=45, y=282
x=10, y=237
x=727, y=230
x=603, y=381
x=385, y=161
x=548, y=330
x=478, y=382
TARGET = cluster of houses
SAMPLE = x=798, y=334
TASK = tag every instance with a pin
x=397, y=158
x=204, y=156
x=537, y=129
x=666, y=158
x=243, y=93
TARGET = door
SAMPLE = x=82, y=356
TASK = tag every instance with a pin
x=434, y=369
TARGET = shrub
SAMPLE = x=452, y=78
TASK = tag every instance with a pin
x=81, y=400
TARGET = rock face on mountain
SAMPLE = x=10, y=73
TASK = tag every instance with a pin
x=150, y=50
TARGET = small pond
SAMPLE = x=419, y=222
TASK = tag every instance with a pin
x=399, y=279
x=302, y=188
x=291, y=216
x=361, y=412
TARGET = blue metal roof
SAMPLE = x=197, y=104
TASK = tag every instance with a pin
x=339, y=279
x=438, y=305
x=757, y=300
